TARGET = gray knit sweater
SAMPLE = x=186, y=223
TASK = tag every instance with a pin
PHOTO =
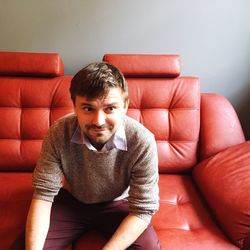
x=93, y=177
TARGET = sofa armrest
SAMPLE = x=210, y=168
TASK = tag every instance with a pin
x=220, y=126
x=224, y=180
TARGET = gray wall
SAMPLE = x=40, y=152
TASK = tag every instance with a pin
x=212, y=37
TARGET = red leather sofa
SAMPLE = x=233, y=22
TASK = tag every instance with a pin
x=204, y=159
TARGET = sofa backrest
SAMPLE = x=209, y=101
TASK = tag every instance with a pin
x=33, y=94
x=167, y=104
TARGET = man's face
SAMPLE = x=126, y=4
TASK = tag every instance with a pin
x=100, y=117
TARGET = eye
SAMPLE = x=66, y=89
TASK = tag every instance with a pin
x=87, y=109
x=110, y=109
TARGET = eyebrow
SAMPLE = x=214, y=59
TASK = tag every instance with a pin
x=112, y=104
x=86, y=104
x=105, y=105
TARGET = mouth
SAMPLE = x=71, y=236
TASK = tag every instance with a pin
x=98, y=128
x=98, y=131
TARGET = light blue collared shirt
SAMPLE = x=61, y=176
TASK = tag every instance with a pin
x=118, y=140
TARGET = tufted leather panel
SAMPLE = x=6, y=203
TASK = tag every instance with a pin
x=133, y=65
x=33, y=64
x=170, y=108
x=28, y=106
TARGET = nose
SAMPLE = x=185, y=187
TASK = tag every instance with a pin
x=99, y=118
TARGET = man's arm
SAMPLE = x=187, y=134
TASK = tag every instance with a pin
x=37, y=224
x=127, y=233
x=143, y=195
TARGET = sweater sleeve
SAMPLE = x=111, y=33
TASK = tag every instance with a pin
x=144, y=191
x=47, y=176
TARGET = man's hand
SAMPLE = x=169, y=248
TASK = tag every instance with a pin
x=37, y=225
x=127, y=233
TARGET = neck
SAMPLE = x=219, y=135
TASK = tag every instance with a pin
x=97, y=146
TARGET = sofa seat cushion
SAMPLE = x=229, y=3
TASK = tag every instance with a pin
x=182, y=221
x=15, y=196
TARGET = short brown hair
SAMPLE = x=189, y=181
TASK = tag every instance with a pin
x=96, y=79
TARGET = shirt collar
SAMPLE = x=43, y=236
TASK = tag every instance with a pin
x=118, y=140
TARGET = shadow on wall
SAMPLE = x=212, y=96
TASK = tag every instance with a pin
x=243, y=111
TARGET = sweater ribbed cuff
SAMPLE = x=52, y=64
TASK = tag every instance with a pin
x=144, y=217
x=42, y=197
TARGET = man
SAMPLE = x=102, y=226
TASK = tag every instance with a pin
x=109, y=164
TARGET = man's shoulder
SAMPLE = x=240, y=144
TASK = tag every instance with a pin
x=66, y=119
x=135, y=130
x=65, y=124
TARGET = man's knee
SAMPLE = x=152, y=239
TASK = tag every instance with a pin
x=148, y=240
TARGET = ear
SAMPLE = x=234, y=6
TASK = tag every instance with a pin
x=74, y=107
x=126, y=104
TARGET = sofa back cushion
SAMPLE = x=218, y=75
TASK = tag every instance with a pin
x=33, y=94
x=167, y=104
